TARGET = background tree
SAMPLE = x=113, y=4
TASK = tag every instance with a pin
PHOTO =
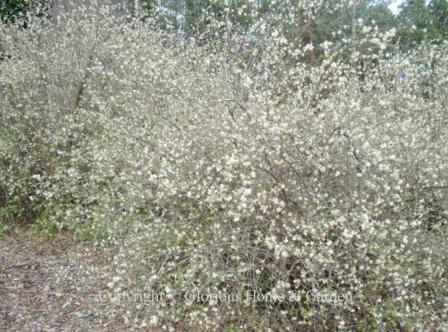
x=10, y=10
x=419, y=21
x=439, y=12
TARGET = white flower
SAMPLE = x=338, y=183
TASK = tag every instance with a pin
x=366, y=29
x=308, y=47
x=392, y=32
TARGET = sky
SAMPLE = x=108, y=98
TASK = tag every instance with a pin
x=394, y=6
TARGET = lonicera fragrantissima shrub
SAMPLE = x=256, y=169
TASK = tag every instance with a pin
x=235, y=170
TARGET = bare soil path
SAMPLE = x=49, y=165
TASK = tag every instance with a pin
x=53, y=285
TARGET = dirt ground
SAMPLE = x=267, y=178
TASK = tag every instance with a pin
x=54, y=285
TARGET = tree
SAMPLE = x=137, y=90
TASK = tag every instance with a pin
x=439, y=12
x=10, y=10
x=420, y=21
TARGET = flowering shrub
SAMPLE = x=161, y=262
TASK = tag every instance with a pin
x=270, y=180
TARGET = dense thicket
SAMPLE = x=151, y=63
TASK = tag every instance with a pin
x=232, y=165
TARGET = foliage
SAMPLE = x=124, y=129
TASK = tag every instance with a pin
x=16, y=10
x=10, y=9
x=420, y=21
x=234, y=168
